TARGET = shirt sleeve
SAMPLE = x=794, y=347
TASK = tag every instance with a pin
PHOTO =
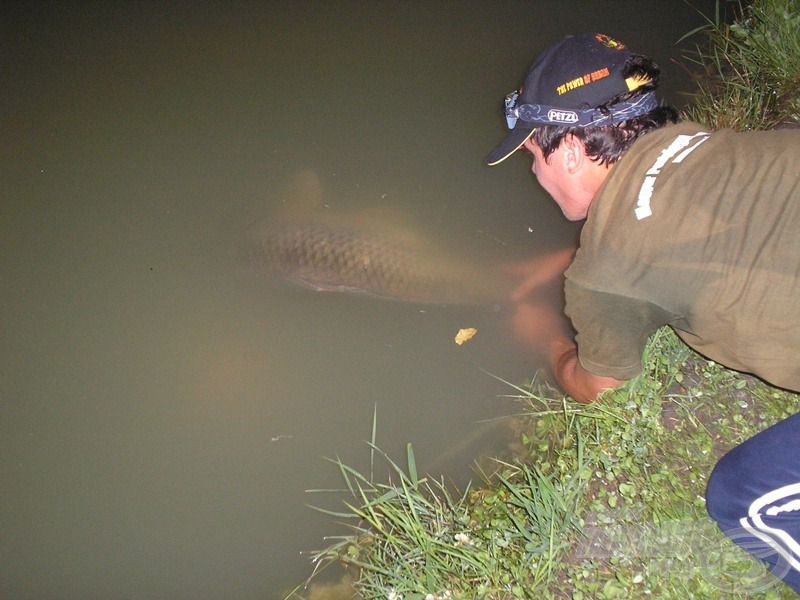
x=612, y=330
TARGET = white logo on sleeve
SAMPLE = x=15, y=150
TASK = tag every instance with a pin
x=677, y=151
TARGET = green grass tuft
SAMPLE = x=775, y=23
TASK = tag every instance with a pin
x=748, y=72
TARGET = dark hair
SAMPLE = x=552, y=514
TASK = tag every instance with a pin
x=607, y=143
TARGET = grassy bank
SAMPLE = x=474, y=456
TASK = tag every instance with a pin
x=748, y=73
x=601, y=501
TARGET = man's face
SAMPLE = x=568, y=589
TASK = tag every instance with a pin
x=554, y=176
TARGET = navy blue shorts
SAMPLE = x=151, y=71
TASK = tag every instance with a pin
x=754, y=496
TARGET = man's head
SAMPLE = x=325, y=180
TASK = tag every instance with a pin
x=591, y=87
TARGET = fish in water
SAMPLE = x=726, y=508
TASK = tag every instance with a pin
x=370, y=252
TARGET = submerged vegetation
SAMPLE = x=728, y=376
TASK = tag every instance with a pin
x=606, y=500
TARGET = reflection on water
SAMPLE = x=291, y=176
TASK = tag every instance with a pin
x=161, y=412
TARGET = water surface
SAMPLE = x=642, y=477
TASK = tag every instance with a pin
x=162, y=412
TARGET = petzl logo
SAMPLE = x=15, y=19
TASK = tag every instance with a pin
x=562, y=116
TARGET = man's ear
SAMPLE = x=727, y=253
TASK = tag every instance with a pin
x=574, y=154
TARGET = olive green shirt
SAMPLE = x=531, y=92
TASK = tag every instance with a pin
x=702, y=232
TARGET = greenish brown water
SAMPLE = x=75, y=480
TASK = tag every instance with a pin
x=161, y=414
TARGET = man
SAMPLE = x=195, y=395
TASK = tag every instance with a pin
x=684, y=227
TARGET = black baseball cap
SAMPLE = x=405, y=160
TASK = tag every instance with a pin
x=565, y=86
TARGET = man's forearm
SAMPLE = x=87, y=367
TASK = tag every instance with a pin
x=572, y=378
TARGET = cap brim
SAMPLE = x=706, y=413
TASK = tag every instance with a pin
x=512, y=142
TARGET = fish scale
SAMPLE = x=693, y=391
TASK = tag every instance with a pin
x=382, y=263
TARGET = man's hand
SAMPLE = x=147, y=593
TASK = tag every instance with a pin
x=540, y=327
x=582, y=385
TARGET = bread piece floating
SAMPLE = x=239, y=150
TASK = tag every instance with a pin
x=464, y=335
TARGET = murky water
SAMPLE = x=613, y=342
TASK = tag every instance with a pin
x=161, y=411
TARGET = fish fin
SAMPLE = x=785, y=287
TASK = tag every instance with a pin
x=318, y=285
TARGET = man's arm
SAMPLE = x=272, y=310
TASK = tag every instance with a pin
x=572, y=378
x=541, y=328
